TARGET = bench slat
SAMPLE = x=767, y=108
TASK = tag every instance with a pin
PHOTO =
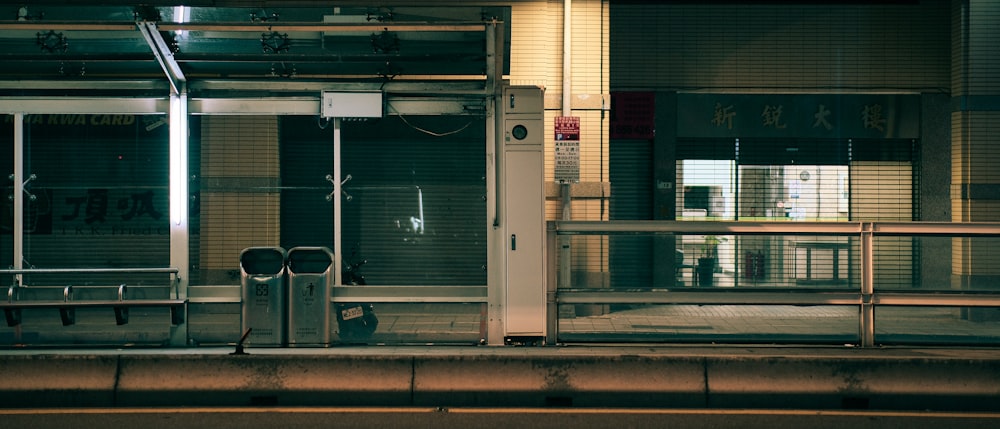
x=12, y=310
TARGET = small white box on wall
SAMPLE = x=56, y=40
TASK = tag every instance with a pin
x=353, y=104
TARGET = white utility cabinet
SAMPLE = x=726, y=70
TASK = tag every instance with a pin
x=523, y=214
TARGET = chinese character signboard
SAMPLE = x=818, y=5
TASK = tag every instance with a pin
x=798, y=115
x=567, y=149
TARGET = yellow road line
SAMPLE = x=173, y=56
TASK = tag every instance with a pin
x=501, y=410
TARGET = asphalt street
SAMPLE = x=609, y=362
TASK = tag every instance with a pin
x=438, y=418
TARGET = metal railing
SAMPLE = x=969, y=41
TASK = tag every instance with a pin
x=863, y=294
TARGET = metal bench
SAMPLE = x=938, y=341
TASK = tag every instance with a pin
x=67, y=306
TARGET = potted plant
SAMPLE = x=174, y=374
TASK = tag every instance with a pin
x=708, y=260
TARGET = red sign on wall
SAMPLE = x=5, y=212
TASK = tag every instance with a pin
x=632, y=115
x=567, y=128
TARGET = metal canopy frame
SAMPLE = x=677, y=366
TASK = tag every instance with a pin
x=120, y=60
x=241, y=51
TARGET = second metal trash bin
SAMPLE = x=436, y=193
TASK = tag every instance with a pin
x=262, y=277
x=310, y=277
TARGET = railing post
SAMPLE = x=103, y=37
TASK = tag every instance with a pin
x=867, y=285
x=552, y=307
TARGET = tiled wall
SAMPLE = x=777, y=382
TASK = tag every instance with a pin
x=537, y=59
x=240, y=200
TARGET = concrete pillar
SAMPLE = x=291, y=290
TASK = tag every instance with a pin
x=975, y=140
x=665, y=190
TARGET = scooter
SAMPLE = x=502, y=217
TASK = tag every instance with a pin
x=357, y=321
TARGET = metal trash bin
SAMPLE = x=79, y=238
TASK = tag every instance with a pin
x=310, y=277
x=264, y=296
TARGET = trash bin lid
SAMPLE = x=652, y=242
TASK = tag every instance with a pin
x=309, y=260
x=262, y=260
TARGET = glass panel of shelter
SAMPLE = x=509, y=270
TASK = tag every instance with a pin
x=413, y=205
x=7, y=199
x=96, y=195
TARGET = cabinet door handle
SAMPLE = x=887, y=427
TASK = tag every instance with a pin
x=513, y=242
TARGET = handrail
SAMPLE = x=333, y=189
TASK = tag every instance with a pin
x=709, y=296
x=775, y=227
x=937, y=228
x=865, y=297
